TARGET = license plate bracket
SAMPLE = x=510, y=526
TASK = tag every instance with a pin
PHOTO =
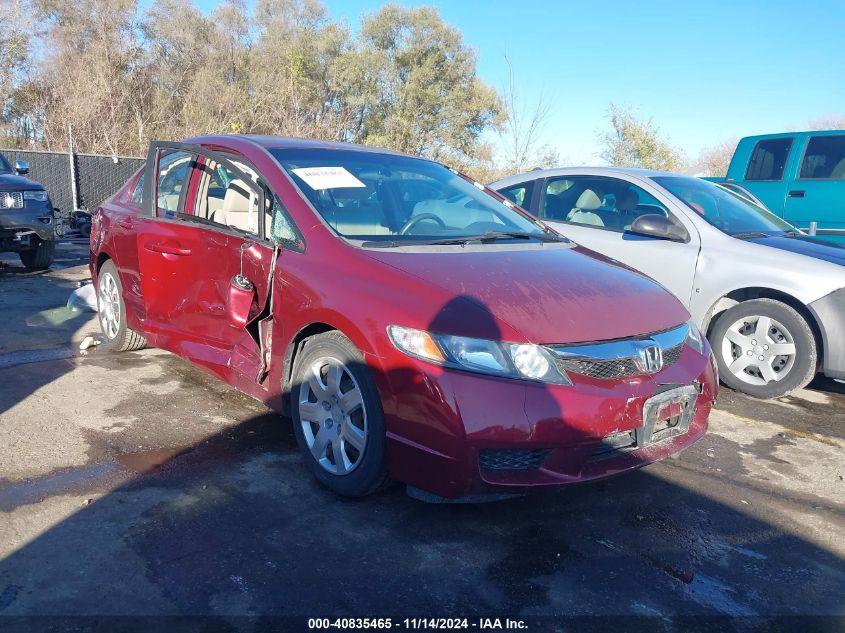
x=666, y=415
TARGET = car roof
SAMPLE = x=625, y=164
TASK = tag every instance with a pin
x=289, y=142
x=759, y=137
x=590, y=171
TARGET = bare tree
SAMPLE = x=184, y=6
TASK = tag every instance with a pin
x=15, y=40
x=522, y=129
x=122, y=75
x=714, y=161
x=831, y=122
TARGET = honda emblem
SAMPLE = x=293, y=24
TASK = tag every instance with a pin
x=650, y=359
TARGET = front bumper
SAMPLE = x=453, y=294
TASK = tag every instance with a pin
x=829, y=312
x=19, y=226
x=447, y=429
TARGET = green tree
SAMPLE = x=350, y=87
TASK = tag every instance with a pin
x=427, y=97
x=637, y=143
x=121, y=76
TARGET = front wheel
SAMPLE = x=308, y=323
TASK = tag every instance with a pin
x=337, y=416
x=40, y=257
x=764, y=348
x=112, y=312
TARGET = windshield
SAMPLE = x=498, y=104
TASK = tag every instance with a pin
x=5, y=168
x=724, y=209
x=389, y=200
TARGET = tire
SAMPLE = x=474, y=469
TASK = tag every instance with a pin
x=327, y=430
x=738, y=332
x=112, y=313
x=40, y=257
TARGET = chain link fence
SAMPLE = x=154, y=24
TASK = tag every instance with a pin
x=97, y=177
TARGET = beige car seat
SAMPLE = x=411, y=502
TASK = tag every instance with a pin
x=360, y=217
x=585, y=207
x=456, y=215
x=215, y=209
x=240, y=208
x=170, y=201
x=626, y=207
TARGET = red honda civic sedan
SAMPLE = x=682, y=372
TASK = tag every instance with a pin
x=413, y=324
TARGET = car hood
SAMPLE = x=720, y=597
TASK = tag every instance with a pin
x=11, y=182
x=545, y=293
x=804, y=245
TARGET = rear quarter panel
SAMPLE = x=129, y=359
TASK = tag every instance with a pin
x=113, y=237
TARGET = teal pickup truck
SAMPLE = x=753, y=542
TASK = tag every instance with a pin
x=799, y=176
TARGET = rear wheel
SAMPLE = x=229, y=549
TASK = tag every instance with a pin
x=337, y=416
x=112, y=312
x=40, y=257
x=764, y=348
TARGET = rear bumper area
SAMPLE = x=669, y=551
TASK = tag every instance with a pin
x=488, y=435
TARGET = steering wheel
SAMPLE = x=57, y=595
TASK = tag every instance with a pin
x=419, y=218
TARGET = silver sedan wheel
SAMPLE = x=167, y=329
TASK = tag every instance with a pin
x=109, y=305
x=758, y=350
x=333, y=416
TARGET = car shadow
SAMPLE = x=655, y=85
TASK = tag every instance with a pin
x=234, y=526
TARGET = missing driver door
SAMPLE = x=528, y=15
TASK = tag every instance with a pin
x=206, y=266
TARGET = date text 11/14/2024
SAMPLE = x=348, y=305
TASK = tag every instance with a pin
x=417, y=623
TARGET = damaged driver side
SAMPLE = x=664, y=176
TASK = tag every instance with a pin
x=207, y=219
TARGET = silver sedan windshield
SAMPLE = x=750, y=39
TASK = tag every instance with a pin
x=725, y=210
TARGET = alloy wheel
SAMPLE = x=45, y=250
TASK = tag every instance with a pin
x=109, y=305
x=333, y=416
x=758, y=350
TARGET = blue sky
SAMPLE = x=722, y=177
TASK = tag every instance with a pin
x=705, y=72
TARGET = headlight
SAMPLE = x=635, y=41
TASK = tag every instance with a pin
x=37, y=196
x=694, y=337
x=523, y=361
x=415, y=343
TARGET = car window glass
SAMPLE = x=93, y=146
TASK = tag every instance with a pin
x=172, y=178
x=557, y=198
x=281, y=229
x=601, y=202
x=519, y=194
x=824, y=158
x=768, y=159
x=727, y=211
x=137, y=194
x=225, y=199
x=5, y=167
x=379, y=197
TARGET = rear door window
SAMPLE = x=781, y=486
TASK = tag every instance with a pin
x=558, y=198
x=768, y=160
x=173, y=168
x=519, y=194
x=824, y=158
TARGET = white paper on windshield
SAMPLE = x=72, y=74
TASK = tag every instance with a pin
x=327, y=177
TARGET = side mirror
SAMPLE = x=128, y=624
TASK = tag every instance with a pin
x=659, y=226
x=21, y=167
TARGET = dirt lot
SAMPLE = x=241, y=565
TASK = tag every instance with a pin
x=136, y=484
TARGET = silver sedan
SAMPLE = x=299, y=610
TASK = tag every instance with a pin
x=770, y=298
